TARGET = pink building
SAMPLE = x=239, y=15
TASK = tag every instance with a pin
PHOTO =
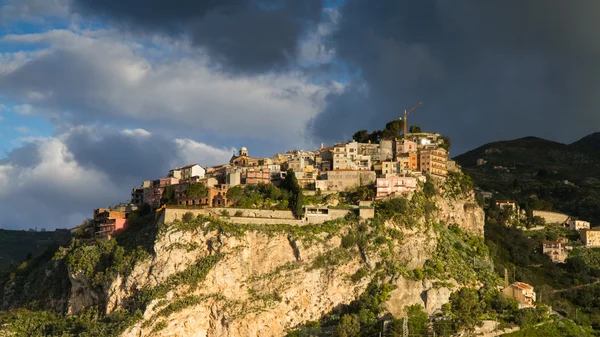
x=394, y=185
x=109, y=222
x=258, y=176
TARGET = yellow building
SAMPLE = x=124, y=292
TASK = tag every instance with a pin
x=590, y=237
x=434, y=162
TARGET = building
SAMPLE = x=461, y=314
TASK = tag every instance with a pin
x=348, y=157
x=234, y=178
x=590, y=237
x=137, y=195
x=522, y=292
x=392, y=167
x=405, y=146
x=153, y=190
x=434, y=162
x=451, y=166
x=394, y=185
x=191, y=171
x=504, y=204
x=188, y=172
x=216, y=197
x=576, y=225
x=109, y=222
x=342, y=180
x=481, y=161
x=425, y=140
x=556, y=250
x=244, y=160
x=260, y=175
x=387, y=149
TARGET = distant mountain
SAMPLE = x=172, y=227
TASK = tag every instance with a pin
x=15, y=246
x=591, y=142
x=567, y=176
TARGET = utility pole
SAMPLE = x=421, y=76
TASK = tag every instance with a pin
x=405, y=327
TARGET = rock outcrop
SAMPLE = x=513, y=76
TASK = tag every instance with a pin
x=212, y=278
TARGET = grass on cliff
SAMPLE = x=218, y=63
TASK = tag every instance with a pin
x=90, y=323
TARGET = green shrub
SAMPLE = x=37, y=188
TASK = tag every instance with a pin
x=188, y=217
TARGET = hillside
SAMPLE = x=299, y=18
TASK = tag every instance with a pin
x=591, y=142
x=208, y=277
x=567, y=177
x=16, y=246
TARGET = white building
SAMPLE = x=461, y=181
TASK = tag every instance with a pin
x=576, y=225
x=348, y=157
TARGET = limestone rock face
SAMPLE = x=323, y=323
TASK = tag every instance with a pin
x=269, y=282
x=82, y=296
x=410, y=292
x=463, y=211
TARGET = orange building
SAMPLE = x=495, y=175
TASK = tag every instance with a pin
x=109, y=223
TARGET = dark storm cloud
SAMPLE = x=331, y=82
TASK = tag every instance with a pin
x=248, y=35
x=485, y=70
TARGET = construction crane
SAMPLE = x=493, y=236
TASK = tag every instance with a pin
x=406, y=114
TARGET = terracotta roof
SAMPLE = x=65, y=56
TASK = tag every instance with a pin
x=348, y=170
x=523, y=286
x=189, y=166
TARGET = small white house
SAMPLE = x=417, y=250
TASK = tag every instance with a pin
x=576, y=225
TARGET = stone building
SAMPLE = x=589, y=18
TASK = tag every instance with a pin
x=342, y=180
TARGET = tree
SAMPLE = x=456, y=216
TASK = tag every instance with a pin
x=417, y=320
x=429, y=189
x=447, y=143
x=296, y=198
x=393, y=129
x=466, y=307
x=414, y=129
x=168, y=196
x=145, y=209
x=197, y=191
x=235, y=194
x=361, y=136
x=349, y=326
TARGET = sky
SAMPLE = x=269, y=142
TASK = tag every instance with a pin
x=99, y=95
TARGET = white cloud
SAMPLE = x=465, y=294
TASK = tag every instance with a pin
x=136, y=133
x=190, y=152
x=34, y=11
x=314, y=48
x=87, y=167
x=25, y=109
x=101, y=76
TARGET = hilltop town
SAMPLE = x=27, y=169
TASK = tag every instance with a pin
x=385, y=165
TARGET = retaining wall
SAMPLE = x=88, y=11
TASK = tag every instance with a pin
x=552, y=217
x=258, y=216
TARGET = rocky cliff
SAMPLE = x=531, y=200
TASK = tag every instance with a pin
x=207, y=277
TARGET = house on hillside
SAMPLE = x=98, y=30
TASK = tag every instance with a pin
x=590, y=237
x=187, y=172
x=109, y=222
x=394, y=185
x=434, y=162
x=556, y=250
x=576, y=225
x=522, y=292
